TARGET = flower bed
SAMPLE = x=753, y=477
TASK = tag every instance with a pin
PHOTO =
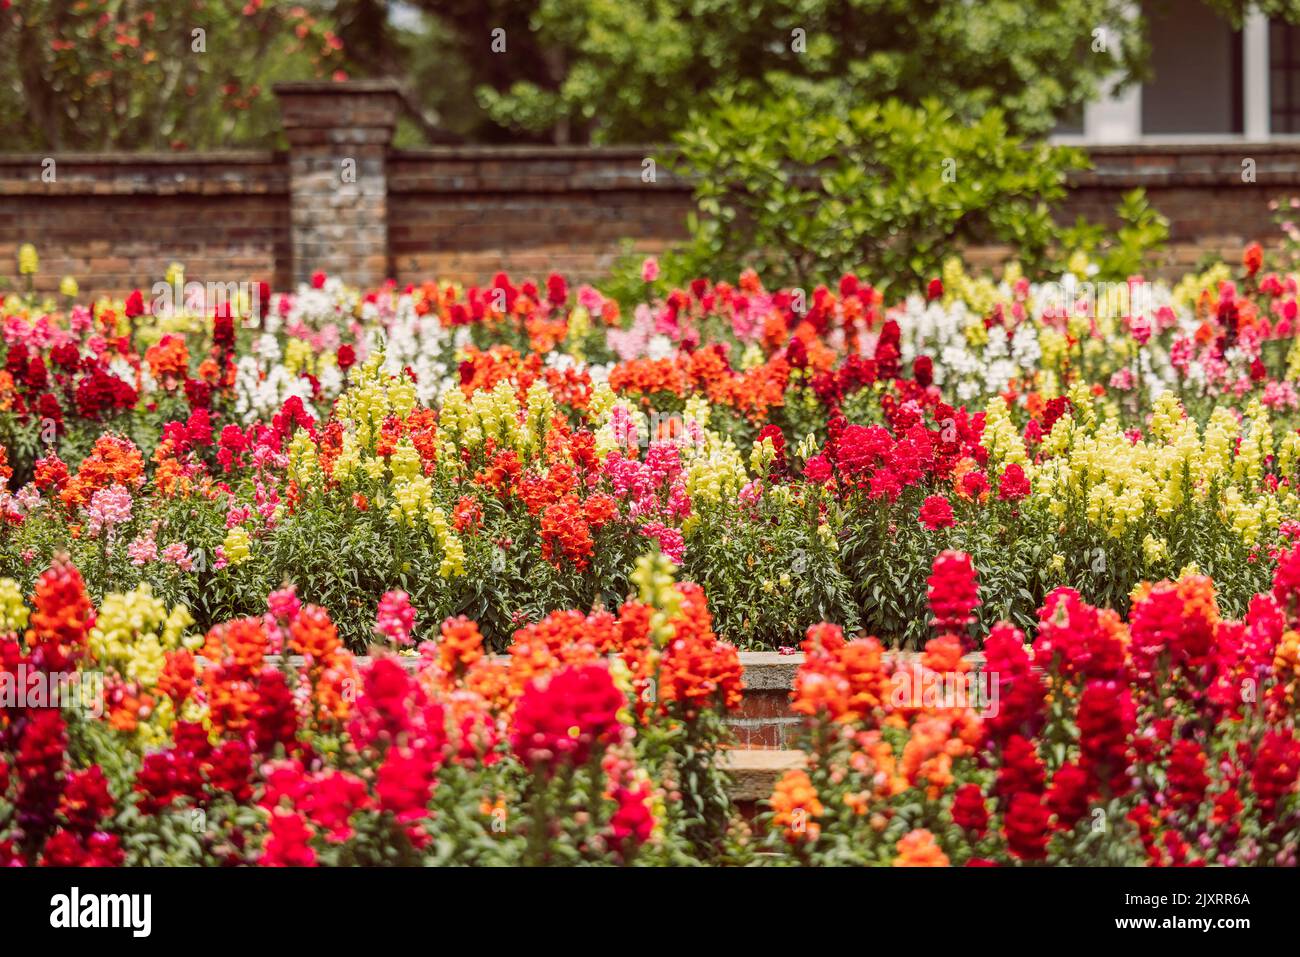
x=205, y=753
x=1167, y=739
x=531, y=490
x=508, y=451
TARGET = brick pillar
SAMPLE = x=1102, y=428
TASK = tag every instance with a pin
x=339, y=135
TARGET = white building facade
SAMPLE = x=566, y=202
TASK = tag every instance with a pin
x=1210, y=83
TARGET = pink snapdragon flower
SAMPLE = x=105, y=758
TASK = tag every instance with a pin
x=142, y=550
x=177, y=554
x=108, y=508
x=28, y=497
x=284, y=604
x=395, y=618
x=670, y=539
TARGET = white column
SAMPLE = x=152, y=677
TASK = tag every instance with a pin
x=1254, y=36
x=1116, y=117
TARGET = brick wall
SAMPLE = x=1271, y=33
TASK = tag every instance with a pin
x=464, y=213
x=1212, y=209
x=114, y=222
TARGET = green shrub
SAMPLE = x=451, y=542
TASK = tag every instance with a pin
x=885, y=190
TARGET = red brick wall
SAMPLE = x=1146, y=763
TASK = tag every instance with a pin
x=462, y=213
x=1199, y=188
x=115, y=222
x=465, y=213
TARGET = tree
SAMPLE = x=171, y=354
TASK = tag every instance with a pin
x=634, y=72
x=129, y=74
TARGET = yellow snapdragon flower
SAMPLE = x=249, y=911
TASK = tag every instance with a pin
x=411, y=498
x=134, y=631
x=236, y=546
x=405, y=462
x=1003, y=441
x=304, y=461
x=1154, y=550
x=298, y=356
x=28, y=261
x=13, y=613
x=453, y=551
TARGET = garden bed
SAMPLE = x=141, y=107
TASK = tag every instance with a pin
x=519, y=573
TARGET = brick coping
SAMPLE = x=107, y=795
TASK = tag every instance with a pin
x=538, y=151
x=542, y=151
x=152, y=158
x=335, y=88
x=1220, y=147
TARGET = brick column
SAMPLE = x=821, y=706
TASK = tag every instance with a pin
x=339, y=135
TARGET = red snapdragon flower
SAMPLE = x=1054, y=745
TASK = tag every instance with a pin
x=1026, y=827
x=134, y=305
x=969, y=810
x=1070, y=794
x=1014, y=485
x=1022, y=770
x=632, y=824
x=1253, y=258
x=1021, y=689
x=1186, y=775
x=405, y=784
x=566, y=718
x=289, y=843
x=936, y=513
x=1276, y=769
x=68, y=849
x=953, y=592
x=85, y=800
x=1107, y=718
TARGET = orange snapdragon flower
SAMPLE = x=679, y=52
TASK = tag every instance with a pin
x=238, y=645
x=128, y=709
x=460, y=646
x=874, y=758
x=168, y=360
x=844, y=680
x=796, y=807
x=648, y=377
x=929, y=753
x=918, y=849
x=331, y=668
x=114, y=460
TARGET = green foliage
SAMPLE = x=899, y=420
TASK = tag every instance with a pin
x=769, y=574
x=1234, y=11
x=619, y=72
x=1137, y=244
x=886, y=190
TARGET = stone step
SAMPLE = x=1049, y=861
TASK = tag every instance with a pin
x=755, y=771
